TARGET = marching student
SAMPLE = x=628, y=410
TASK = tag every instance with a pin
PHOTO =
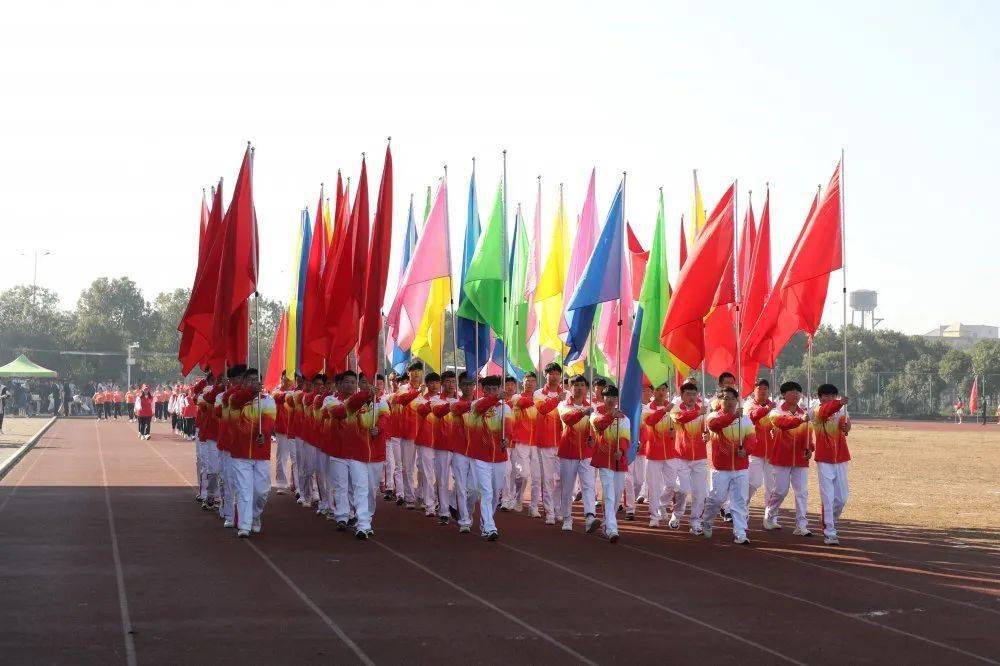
x=209, y=434
x=227, y=510
x=407, y=424
x=320, y=433
x=491, y=420
x=252, y=413
x=107, y=398
x=393, y=454
x=143, y=409
x=575, y=449
x=118, y=399
x=284, y=457
x=461, y=420
x=424, y=442
x=789, y=460
x=189, y=409
x=130, y=396
x=98, y=401
x=507, y=501
x=440, y=409
x=690, y=464
x=522, y=442
x=337, y=485
x=831, y=425
x=758, y=407
x=731, y=434
x=637, y=470
x=659, y=432
x=547, y=435
x=612, y=435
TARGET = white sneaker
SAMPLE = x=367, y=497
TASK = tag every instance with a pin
x=550, y=520
x=742, y=540
x=592, y=524
x=567, y=525
x=255, y=528
x=464, y=529
x=802, y=533
x=771, y=524
x=698, y=531
x=653, y=522
x=280, y=491
x=706, y=531
x=243, y=534
x=533, y=512
x=675, y=523
x=229, y=524
x=831, y=541
x=613, y=537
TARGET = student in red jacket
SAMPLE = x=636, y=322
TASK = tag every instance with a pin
x=575, y=448
x=460, y=421
x=144, y=411
x=252, y=413
x=407, y=424
x=524, y=414
x=659, y=449
x=612, y=436
x=424, y=441
x=731, y=434
x=488, y=429
x=831, y=424
x=440, y=408
x=547, y=433
x=283, y=455
x=758, y=407
x=689, y=463
x=788, y=463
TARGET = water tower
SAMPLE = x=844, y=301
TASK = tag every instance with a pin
x=864, y=302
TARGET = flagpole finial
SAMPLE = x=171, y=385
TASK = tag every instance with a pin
x=362, y=154
x=388, y=139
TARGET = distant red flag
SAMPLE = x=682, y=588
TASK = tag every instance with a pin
x=700, y=285
x=377, y=274
x=277, y=363
x=313, y=300
x=797, y=299
x=196, y=322
x=974, y=397
x=679, y=377
x=748, y=235
x=638, y=258
x=343, y=321
x=187, y=334
x=754, y=293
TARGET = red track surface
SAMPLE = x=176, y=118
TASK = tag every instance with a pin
x=105, y=558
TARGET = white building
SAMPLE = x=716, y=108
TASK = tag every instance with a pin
x=963, y=336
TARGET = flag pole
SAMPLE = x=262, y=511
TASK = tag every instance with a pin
x=562, y=347
x=503, y=291
x=843, y=271
x=451, y=291
x=739, y=295
x=618, y=368
x=475, y=327
x=694, y=222
x=538, y=257
x=256, y=297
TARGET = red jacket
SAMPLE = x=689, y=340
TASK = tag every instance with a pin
x=831, y=442
x=727, y=432
x=659, y=432
x=791, y=437
x=689, y=442
x=609, y=437
x=145, y=405
x=576, y=442
x=548, y=428
x=760, y=416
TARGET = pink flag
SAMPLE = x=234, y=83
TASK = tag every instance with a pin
x=583, y=247
x=607, y=328
x=534, y=265
x=429, y=262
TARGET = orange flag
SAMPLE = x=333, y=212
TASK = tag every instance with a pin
x=701, y=284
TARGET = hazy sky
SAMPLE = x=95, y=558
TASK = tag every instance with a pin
x=116, y=114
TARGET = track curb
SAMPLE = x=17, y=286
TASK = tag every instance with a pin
x=27, y=446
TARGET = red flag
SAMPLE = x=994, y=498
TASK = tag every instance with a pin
x=187, y=334
x=377, y=274
x=638, y=258
x=313, y=301
x=276, y=365
x=343, y=319
x=237, y=259
x=797, y=299
x=683, y=247
x=754, y=291
x=700, y=285
x=747, y=237
x=194, y=325
x=974, y=397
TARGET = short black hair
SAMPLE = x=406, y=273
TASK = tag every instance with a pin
x=491, y=381
x=416, y=365
x=790, y=386
x=465, y=378
x=251, y=372
x=236, y=371
x=611, y=391
x=724, y=375
x=601, y=381
x=728, y=390
x=689, y=386
x=580, y=379
x=827, y=389
x=379, y=376
x=509, y=380
x=432, y=377
x=665, y=385
x=348, y=373
x=530, y=374
x=319, y=377
x=448, y=374
x=553, y=367
x=763, y=382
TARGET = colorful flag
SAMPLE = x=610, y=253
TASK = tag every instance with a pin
x=630, y=391
x=754, y=291
x=376, y=275
x=654, y=299
x=193, y=346
x=698, y=285
x=293, y=339
x=534, y=267
x=471, y=335
x=697, y=211
x=516, y=336
x=601, y=279
x=485, y=281
x=549, y=293
x=276, y=364
x=583, y=249
x=400, y=357
x=311, y=359
x=638, y=258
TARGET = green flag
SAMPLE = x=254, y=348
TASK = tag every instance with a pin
x=517, y=316
x=427, y=205
x=595, y=357
x=484, y=281
x=653, y=357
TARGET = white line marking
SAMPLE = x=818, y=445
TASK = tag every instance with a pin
x=655, y=604
x=472, y=595
x=130, y=657
x=13, y=490
x=811, y=603
x=327, y=620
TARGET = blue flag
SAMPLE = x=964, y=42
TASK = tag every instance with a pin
x=400, y=358
x=467, y=331
x=630, y=391
x=601, y=280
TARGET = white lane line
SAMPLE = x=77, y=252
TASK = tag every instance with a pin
x=13, y=490
x=904, y=588
x=472, y=595
x=654, y=604
x=809, y=602
x=130, y=657
x=327, y=620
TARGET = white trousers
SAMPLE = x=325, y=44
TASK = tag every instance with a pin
x=394, y=466
x=755, y=476
x=252, y=479
x=780, y=479
x=520, y=462
x=731, y=485
x=571, y=470
x=544, y=479
x=227, y=511
x=490, y=482
x=442, y=474
x=509, y=484
x=306, y=458
x=833, y=494
x=358, y=480
x=659, y=480
x=339, y=484
x=425, y=454
x=375, y=472
x=692, y=479
x=212, y=469
x=199, y=466
x=408, y=458
x=466, y=487
x=283, y=458
x=323, y=480
x=612, y=485
x=637, y=474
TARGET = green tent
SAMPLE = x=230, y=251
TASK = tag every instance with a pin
x=23, y=367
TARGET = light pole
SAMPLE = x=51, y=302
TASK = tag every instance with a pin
x=129, y=362
x=34, y=268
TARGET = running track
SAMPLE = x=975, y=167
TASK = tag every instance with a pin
x=105, y=558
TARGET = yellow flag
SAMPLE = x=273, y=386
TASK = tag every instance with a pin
x=697, y=212
x=549, y=292
x=428, y=343
x=327, y=223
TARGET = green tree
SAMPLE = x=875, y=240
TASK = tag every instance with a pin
x=985, y=357
x=955, y=369
x=30, y=320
